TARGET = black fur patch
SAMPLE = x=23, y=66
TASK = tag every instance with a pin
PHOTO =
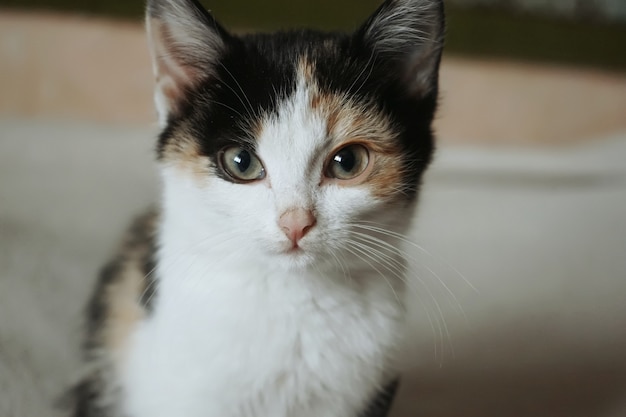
x=381, y=404
x=86, y=399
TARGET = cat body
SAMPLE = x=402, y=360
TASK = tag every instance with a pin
x=260, y=342
x=271, y=280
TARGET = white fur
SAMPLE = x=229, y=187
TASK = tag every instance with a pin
x=242, y=328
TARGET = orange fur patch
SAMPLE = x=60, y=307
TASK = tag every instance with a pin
x=183, y=152
x=348, y=121
x=124, y=311
x=122, y=295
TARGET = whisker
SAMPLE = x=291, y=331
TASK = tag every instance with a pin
x=341, y=265
x=228, y=107
x=441, y=324
x=384, y=246
x=404, y=239
x=375, y=269
x=250, y=107
x=371, y=68
x=390, y=247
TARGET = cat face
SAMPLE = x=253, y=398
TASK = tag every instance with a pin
x=290, y=147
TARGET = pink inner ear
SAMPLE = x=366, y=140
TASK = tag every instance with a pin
x=172, y=79
x=173, y=75
x=168, y=91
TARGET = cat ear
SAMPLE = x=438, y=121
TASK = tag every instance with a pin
x=185, y=44
x=408, y=36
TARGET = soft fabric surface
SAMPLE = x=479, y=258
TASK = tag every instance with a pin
x=540, y=234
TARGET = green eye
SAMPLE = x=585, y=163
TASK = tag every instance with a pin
x=241, y=164
x=348, y=162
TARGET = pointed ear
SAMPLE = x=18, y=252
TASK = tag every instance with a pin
x=185, y=44
x=408, y=36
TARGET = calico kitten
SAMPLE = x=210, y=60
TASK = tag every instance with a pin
x=270, y=282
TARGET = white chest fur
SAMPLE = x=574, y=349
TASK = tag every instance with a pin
x=245, y=342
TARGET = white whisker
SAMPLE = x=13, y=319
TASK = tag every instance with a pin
x=387, y=255
x=374, y=268
x=399, y=274
x=249, y=106
x=370, y=226
x=370, y=64
x=388, y=246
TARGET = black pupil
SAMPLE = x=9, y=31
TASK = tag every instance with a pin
x=242, y=160
x=346, y=160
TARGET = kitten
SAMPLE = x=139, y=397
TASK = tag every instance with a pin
x=270, y=282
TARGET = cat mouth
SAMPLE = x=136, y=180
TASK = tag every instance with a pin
x=297, y=253
x=294, y=249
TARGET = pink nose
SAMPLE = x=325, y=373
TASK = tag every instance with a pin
x=296, y=223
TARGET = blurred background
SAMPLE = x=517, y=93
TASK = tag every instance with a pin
x=528, y=70
x=519, y=306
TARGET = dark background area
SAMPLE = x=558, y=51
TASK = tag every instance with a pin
x=498, y=29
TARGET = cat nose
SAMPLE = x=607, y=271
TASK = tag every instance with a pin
x=296, y=222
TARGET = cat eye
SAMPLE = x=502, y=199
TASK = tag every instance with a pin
x=348, y=162
x=241, y=164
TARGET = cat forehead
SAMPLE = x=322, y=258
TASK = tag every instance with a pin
x=318, y=120
x=265, y=71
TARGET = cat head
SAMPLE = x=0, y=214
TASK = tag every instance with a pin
x=280, y=146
